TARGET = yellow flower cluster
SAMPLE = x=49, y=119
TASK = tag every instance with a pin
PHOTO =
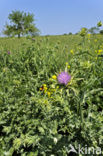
x=44, y=88
x=51, y=90
x=99, y=51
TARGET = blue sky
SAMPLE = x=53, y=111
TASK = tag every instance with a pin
x=55, y=17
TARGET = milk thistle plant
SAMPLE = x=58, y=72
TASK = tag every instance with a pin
x=50, y=96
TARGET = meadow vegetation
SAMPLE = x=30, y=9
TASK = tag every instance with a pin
x=38, y=115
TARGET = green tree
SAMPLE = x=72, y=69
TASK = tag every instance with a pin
x=101, y=32
x=21, y=23
x=93, y=30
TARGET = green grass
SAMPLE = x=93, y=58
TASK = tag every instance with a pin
x=36, y=122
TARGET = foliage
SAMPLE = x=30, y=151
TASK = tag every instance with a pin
x=83, y=32
x=35, y=123
x=94, y=30
x=99, y=24
x=70, y=33
x=21, y=23
x=101, y=31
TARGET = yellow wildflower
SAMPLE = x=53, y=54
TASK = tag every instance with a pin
x=68, y=66
x=72, y=51
x=45, y=88
x=99, y=51
x=66, y=63
x=41, y=88
x=44, y=85
x=54, y=77
x=48, y=93
x=57, y=87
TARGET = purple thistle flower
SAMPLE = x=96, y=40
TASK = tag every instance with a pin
x=64, y=78
x=9, y=52
x=33, y=39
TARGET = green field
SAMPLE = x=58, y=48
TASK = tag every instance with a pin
x=38, y=115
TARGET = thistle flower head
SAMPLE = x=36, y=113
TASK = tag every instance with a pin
x=64, y=78
x=33, y=39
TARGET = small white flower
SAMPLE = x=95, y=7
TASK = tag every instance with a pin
x=55, y=140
